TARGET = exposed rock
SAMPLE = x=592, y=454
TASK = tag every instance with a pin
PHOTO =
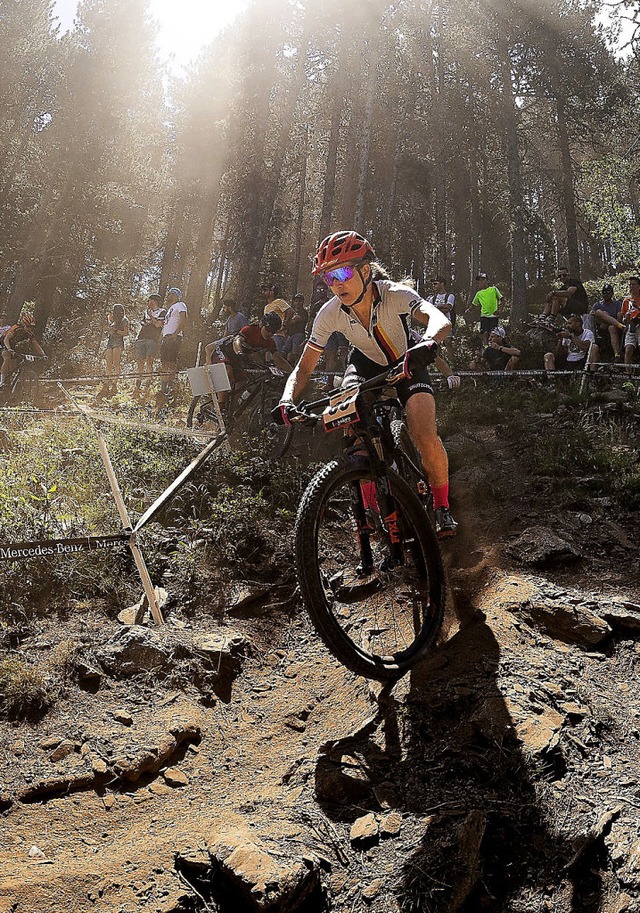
x=65, y=748
x=341, y=778
x=122, y=716
x=541, y=547
x=564, y=621
x=622, y=617
x=371, y=891
x=364, y=830
x=267, y=882
x=469, y=838
x=246, y=599
x=50, y=742
x=391, y=824
x=540, y=732
x=175, y=777
x=133, y=650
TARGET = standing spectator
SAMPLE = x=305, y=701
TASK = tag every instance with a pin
x=570, y=297
x=575, y=348
x=498, y=355
x=297, y=329
x=277, y=305
x=606, y=321
x=172, y=334
x=117, y=329
x=236, y=320
x=445, y=302
x=487, y=299
x=630, y=317
x=147, y=344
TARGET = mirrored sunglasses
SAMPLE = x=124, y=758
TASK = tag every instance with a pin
x=341, y=274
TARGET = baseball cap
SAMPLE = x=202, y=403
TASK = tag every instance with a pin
x=176, y=291
x=482, y=276
x=498, y=331
x=607, y=289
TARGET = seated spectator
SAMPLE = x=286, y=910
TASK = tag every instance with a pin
x=630, y=317
x=498, y=355
x=571, y=296
x=277, y=305
x=575, y=348
x=606, y=321
x=235, y=318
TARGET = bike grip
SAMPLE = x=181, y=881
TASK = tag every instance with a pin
x=280, y=414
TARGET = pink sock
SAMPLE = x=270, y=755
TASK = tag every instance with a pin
x=440, y=495
x=369, y=497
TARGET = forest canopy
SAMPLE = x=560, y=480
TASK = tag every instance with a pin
x=459, y=136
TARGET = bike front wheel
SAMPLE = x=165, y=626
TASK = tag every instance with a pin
x=378, y=615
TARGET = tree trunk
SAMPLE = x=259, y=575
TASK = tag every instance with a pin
x=568, y=193
x=516, y=193
x=201, y=266
x=300, y=213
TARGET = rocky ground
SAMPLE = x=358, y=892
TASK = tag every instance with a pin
x=225, y=762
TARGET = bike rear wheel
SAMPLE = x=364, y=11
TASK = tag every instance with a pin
x=378, y=620
x=201, y=415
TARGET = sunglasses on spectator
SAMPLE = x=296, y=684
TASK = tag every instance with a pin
x=341, y=274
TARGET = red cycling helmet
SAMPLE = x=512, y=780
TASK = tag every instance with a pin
x=341, y=247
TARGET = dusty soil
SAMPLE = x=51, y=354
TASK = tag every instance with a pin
x=502, y=775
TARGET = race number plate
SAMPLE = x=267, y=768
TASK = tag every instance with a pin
x=341, y=411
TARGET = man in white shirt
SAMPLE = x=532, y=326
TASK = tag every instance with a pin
x=575, y=348
x=445, y=301
x=172, y=335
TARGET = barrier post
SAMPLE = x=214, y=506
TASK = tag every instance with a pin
x=138, y=557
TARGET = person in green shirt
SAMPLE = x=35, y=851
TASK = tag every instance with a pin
x=487, y=299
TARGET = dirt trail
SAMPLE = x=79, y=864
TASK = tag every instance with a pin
x=501, y=775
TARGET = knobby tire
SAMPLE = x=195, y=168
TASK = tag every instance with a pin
x=381, y=625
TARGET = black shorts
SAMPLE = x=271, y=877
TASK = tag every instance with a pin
x=488, y=323
x=169, y=349
x=361, y=368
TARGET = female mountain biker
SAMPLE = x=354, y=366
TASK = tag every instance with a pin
x=374, y=314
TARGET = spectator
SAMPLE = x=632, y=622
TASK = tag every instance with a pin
x=630, y=317
x=297, y=329
x=445, y=302
x=117, y=329
x=498, y=355
x=236, y=320
x=175, y=322
x=147, y=344
x=571, y=297
x=575, y=348
x=606, y=321
x=487, y=299
x=277, y=305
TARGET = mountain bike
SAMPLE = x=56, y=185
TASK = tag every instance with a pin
x=249, y=411
x=367, y=557
x=24, y=379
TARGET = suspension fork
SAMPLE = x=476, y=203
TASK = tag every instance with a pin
x=378, y=497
